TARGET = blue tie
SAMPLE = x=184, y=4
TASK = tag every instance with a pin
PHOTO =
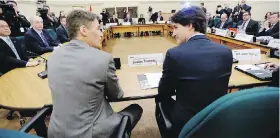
x=44, y=40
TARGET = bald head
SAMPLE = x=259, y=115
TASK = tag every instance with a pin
x=243, y=1
x=224, y=17
x=4, y=28
x=37, y=23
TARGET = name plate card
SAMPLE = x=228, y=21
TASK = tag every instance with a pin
x=274, y=43
x=126, y=23
x=145, y=60
x=244, y=37
x=247, y=54
x=221, y=32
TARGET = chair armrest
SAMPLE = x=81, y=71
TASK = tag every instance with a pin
x=166, y=120
x=133, y=98
x=124, y=128
x=38, y=118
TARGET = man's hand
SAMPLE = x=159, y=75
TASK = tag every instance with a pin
x=271, y=66
x=32, y=64
x=30, y=59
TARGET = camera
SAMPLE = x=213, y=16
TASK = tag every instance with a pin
x=43, y=12
x=8, y=10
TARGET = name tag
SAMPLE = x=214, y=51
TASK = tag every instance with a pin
x=247, y=54
x=21, y=29
x=221, y=32
x=244, y=37
x=145, y=59
x=274, y=43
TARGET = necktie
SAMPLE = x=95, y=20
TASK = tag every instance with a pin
x=222, y=24
x=11, y=45
x=44, y=40
x=243, y=25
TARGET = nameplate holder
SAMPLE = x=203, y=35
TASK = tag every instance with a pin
x=274, y=43
x=126, y=23
x=247, y=54
x=161, y=22
x=221, y=32
x=244, y=37
x=145, y=59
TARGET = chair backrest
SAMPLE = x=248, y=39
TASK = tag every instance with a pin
x=21, y=40
x=251, y=113
x=52, y=33
x=216, y=20
x=15, y=134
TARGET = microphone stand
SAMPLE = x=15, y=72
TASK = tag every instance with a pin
x=43, y=74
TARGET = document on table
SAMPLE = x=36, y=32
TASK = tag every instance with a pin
x=149, y=80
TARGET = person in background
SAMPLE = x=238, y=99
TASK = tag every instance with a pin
x=61, y=14
x=267, y=30
x=105, y=17
x=227, y=10
x=124, y=13
x=128, y=19
x=19, y=25
x=50, y=22
x=250, y=26
x=209, y=20
x=37, y=39
x=83, y=82
x=196, y=70
x=114, y=19
x=61, y=31
x=275, y=73
x=141, y=20
x=13, y=56
x=225, y=22
x=219, y=11
x=238, y=11
x=266, y=19
x=202, y=7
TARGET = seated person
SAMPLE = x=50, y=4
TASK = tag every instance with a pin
x=128, y=19
x=273, y=28
x=61, y=32
x=38, y=39
x=275, y=74
x=224, y=23
x=250, y=26
x=142, y=20
x=11, y=52
x=114, y=19
x=80, y=88
x=197, y=71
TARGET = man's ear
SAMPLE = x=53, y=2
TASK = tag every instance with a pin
x=83, y=30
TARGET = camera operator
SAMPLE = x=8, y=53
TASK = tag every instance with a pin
x=18, y=23
x=50, y=21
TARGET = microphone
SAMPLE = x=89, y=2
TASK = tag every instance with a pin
x=43, y=74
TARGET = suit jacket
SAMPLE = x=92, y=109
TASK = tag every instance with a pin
x=8, y=58
x=128, y=20
x=141, y=21
x=237, y=8
x=116, y=20
x=252, y=27
x=227, y=24
x=62, y=35
x=192, y=70
x=270, y=32
x=79, y=90
x=210, y=22
x=34, y=43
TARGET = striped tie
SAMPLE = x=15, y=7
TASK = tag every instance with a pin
x=44, y=40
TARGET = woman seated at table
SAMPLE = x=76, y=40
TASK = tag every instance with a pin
x=128, y=19
x=142, y=20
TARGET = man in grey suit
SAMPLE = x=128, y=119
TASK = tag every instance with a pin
x=81, y=79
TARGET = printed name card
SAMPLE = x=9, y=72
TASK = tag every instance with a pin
x=145, y=59
x=244, y=37
x=247, y=54
x=126, y=23
x=274, y=43
x=221, y=32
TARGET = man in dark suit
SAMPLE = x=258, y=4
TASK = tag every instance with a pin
x=273, y=29
x=128, y=19
x=250, y=26
x=114, y=19
x=224, y=23
x=11, y=53
x=197, y=71
x=61, y=32
x=239, y=10
x=38, y=39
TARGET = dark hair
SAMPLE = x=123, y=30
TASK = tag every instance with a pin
x=191, y=15
x=202, y=4
x=76, y=18
x=249, y=13
x=265, y=17
x=62, y=17
x=12, y=1
x=275, y=13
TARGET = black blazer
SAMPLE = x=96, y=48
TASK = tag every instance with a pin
x=271, y=32
x=116, y=20
x=141, y=21
x=199, y=72
x=252, y=27
x=210, y=22
x=8, y=58
x=227, y=24
x=128, y=20
x=34, y=43
x=62, y=35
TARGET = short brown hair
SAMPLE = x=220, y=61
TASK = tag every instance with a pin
x=62, y=17
x=76, y=18
x=275, y=13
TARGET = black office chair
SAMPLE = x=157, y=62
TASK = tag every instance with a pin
x=38, y=123
x=212, y=89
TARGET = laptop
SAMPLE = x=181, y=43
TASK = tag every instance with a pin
x=257, y=71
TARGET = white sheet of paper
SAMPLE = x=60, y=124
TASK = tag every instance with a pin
x=221, y=32
x=244, y=37
x=248, y=67
x=247, y=54
x=274, y=43
x=153, y=79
